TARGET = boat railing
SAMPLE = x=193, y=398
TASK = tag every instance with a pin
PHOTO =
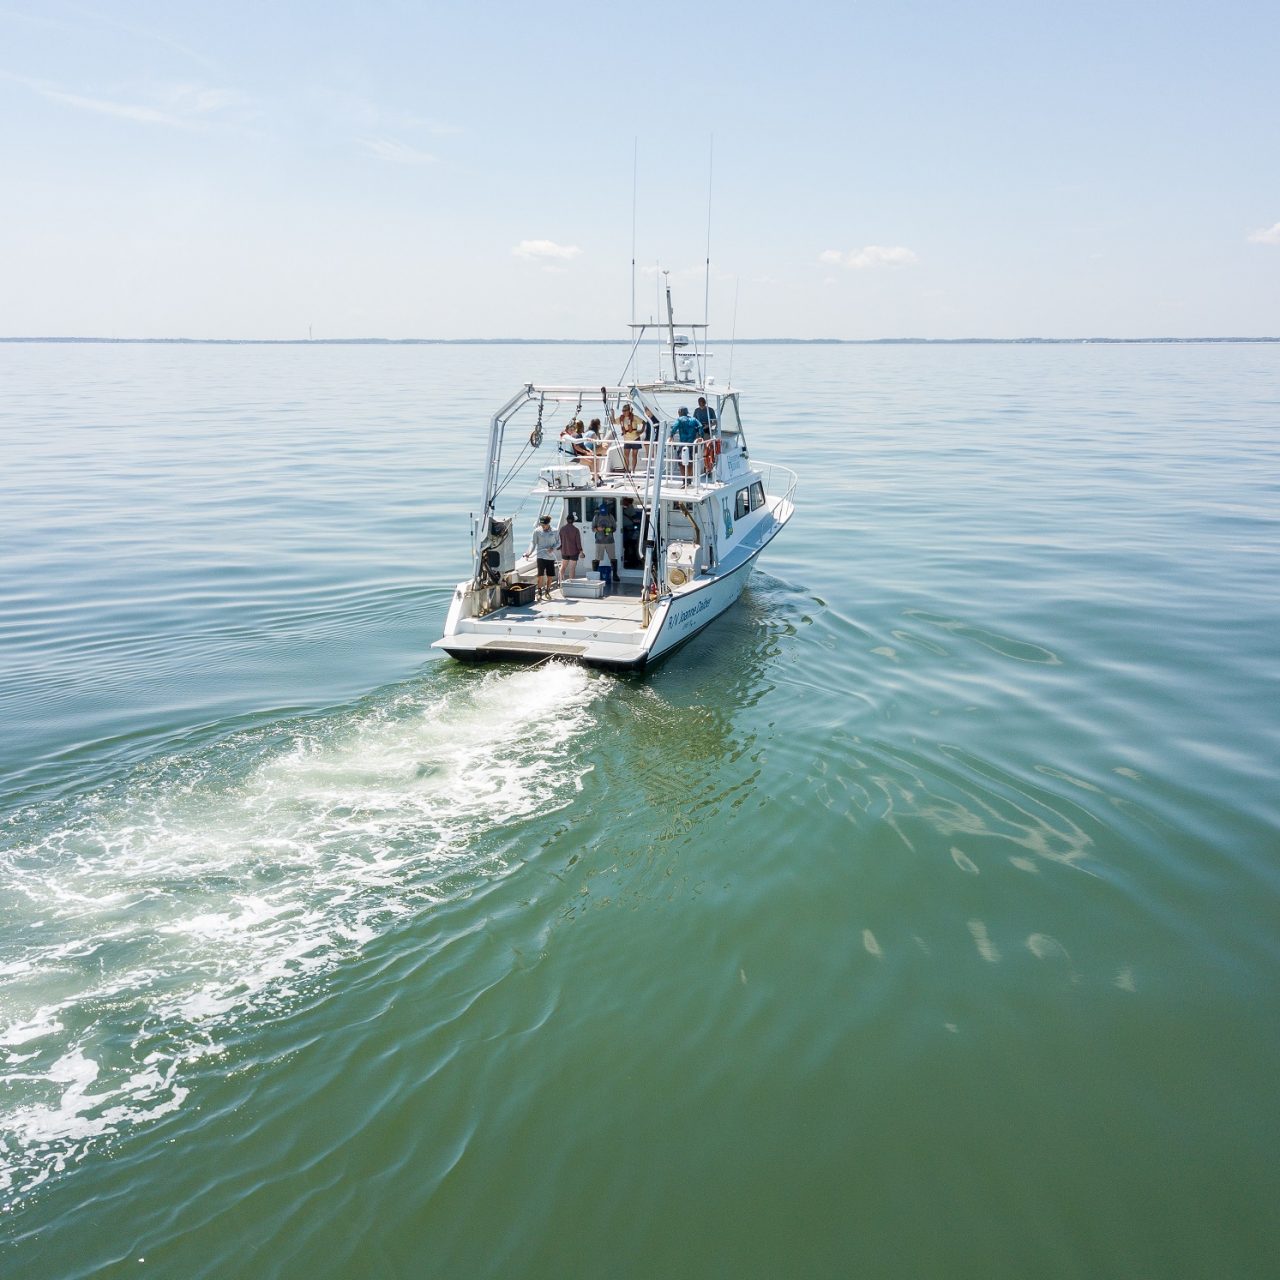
x=690, y=467
x=779, y=481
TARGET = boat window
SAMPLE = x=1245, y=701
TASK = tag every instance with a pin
x=742, y=503
x=729, y=423
x=757, y=495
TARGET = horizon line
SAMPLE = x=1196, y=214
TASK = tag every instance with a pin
x=595, y=342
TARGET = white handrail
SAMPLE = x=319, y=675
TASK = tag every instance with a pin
x=773, y=475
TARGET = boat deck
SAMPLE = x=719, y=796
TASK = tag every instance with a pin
x=620, y=611
x=609, y=631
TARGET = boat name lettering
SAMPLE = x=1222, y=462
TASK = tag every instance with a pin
x=692, y=612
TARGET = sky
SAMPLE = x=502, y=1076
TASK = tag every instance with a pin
x=430, y=170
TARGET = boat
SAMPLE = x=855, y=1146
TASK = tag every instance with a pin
x=684, y=521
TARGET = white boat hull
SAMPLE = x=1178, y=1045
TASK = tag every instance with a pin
x=619, y=642
x=688, y=613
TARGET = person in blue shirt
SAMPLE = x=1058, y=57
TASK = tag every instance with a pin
x=685, y=430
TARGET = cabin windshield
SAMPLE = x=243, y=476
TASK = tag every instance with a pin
x=730, y=425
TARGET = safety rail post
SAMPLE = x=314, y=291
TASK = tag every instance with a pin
x=656, y=530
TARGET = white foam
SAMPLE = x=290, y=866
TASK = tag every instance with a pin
x=43, y=1023
x=214, y=886
x=982, y=940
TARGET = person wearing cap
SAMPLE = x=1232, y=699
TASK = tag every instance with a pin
x=545, y=544
x=685, y=430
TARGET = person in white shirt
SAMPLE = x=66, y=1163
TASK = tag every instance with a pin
x=545, y=544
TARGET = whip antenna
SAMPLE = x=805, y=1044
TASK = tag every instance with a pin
x=706, y=297
x=733, y=333
x=635, y=162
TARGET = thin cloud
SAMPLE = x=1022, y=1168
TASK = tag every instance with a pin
x=194, y=100
x=873, y=255
x=545, y=251
x=92, y=19
x=1267, y=235
x=354, y=110
x=396, y=152
x=438, y=128
x=121, y=110
x=177, y=106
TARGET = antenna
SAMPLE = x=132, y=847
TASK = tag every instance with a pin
x=706, y=297
x=733, y=335
x=635, y=164
x=657, y=307
x=671, y=329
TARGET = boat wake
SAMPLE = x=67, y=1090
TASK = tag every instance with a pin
x=147, y=919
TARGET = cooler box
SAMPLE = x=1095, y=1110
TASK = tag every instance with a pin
x=521, y=593
x=582, y=589
x=571, y=476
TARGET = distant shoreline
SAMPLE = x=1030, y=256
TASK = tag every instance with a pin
x=623, y=342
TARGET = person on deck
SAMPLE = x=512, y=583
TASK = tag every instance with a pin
x=685, y=430
x=706, y=416
x=570, y=548
x=583, y=450
x=631, y=520
x=602, y=527
x=596, y=439
x=652, y=429
x=630, y=430
x=545, y=544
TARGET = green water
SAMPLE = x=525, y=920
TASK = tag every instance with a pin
x=918, y=919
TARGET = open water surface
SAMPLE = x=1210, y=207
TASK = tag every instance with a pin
x=921, y=918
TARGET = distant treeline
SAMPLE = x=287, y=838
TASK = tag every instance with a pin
x=623, y=342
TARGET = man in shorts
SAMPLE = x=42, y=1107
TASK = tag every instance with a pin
x=545, y=544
